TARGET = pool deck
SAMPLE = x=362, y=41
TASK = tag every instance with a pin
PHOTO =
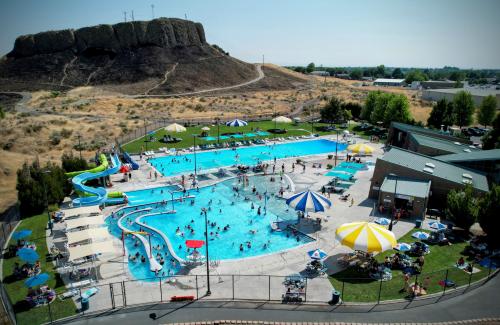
x=280, y=264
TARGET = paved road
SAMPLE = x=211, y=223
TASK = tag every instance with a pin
x=483, y=302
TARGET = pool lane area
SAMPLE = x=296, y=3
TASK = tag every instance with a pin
x=176, y=165
x=239, y=220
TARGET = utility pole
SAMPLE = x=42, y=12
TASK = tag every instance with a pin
x=153, y=11
x=262, y=59
x=125, y=16
x=79, y=145
x=186, y=16
x=132, y=13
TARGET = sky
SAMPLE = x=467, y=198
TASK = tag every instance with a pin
x=403, y=33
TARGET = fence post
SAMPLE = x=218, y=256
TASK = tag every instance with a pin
x=470, y=275
x=305, y=292
x=489, y=269
x=379, y=291
x=342, y=293
x=197, y=295
x=232, y=276
x=112, y=296
x=80, y=290
x=269, y=289
x=445, y=281
x=415, y=286
x=124, y=294
x=50, y=313
x=161, y=292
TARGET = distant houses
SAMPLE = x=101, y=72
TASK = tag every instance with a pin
x=320, y=73
x=478, y=94
x=389, y=82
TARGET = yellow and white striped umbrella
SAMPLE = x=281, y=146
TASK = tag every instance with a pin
x=360, y=148
x=365, y=236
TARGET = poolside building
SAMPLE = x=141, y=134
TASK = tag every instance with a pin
x=416, y=169
x=399, y=135
x=432, y=146
x=486, y=161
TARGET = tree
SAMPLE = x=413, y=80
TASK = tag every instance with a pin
x=415, y=75
x=369, y=106
x=487, y=110
x=2, y=113
x=381, y=105
x=463, y=108
x=488, y=213
x=492, y=139
x=71, y=163
x=380, y=71
x=356, y=74
x=398, y=109
x=457, y=76
x=397, y=74
x=462, y=207
x=354, y=108
x=333, y=111
x=310, y=67
x=441, y=114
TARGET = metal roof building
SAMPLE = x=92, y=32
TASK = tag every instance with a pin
x=487, y=161
x=478, y=94
x=432, y=146
x=389, y=82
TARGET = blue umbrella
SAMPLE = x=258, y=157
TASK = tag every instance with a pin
x=402, y=247
x=437, y=225
x=36, y=280
x=21, y=234
x=308, y=201
x=382, y=221
x=317, y=254
x=236, y=122
x=28, y=255
x=420, y=235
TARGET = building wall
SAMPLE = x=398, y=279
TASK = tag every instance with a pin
x=436, y=96
x=419, y=204
x=390, y=84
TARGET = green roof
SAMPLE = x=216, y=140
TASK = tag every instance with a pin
x=406, y=186
x=422, y=130
x=435, y=167
x=479, y=155
x=442, y=144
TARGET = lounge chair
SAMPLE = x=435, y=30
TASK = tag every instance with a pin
x=68, y=294
x=80, y=284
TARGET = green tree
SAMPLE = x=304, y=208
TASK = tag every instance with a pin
x=487, y=110
x=333, y=111
x=415, y=75
x=369, y=105
x=397, y=74
x=441, y=114
x=488, y=214
x=2, y=113
x=457, y=76
x=381, y=105
x=354, y=108
x=356, y=74
x=398, y=110
x=492, y=139
x=380, y=71
x=310, y=67
x=463, y=108
x=462, y=207
x=71, y=163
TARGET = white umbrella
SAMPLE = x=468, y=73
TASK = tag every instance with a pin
x=236, y=122
x=174, y=127
x=308, y=201
x=282, y=119
x=205, y=128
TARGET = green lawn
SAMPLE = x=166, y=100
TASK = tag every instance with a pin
x=187, y=137
x=16, y=288
x=358, y=287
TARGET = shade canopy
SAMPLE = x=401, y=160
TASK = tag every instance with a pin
x=236, y=123
x=437, y=225
x=205, y=128
x=360, y=148
x=90, y=249
x=192, y=243
x=85, y=221
x=28, y=255
x=317, y=254
x=309, y=201
x=365, y=236
x=402, y=247
x=36, y=280
x=21, y=234
x=282, y=119
x=94, y=209
x=174, y=127
x=95, y=234
x=420, y=235
x=382, y=221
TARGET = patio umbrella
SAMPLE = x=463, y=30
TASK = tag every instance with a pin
x=365, y=236
x=308, y=201
x=282, y=119
x=36, y=280
x=21, y=234
x=192, y=243
x=174, y=127
x=437, y=225
x=382, y=221
x=360, y=148
x=236, y=123
x=402, y=247
x=317, y=254
x=346, y=132
x=28, y=255
x=420, y=235
x=205, y=128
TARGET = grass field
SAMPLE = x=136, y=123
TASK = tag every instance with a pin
x=187, y=137
x=439, y=265
x=17, y=290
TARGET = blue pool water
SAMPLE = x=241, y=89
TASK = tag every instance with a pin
x=169, y=166
x=157, y=194
x=209, y=138
x=227, y=207
x=342, y=176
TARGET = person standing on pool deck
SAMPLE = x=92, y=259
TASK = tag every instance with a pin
x=304, y=168
x=258, y=211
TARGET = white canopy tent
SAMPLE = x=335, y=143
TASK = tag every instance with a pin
x=81, y=210
x=95, y=234
x=90, y=249
x=85, y=221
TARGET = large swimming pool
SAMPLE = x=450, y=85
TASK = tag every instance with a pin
x=169, y=166
x=229, y=203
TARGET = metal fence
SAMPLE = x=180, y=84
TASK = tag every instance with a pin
x=8, y=221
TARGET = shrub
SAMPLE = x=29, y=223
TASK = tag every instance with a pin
x=55, y=138
x=330, y=157
x=329, y=166
x=66, y=133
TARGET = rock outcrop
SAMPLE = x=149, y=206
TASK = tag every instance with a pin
x=161, y=32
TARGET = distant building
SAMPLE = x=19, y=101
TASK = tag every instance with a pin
x=487, y=161
x=438, y=84
x=478, y=94
x=389, y=82
x=320, y=73
x=343, y=75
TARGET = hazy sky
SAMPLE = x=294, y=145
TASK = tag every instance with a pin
x=419, y=33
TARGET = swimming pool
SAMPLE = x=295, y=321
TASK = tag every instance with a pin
x=169, y=166
x=226, y=207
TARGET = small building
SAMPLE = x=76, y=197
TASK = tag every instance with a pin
x=444, y=176
x=478, y=94
x=343, y=75
x=320, y=73
x=438, y=84
x=389, y=82
x=409, y=194
x=399, y=134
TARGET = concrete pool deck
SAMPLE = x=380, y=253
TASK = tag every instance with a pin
x=278, y=264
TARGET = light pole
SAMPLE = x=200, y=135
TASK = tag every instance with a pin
x=194, y=150
x=218, y=130
x=47, y=199
x=394, y=198
x=79, y=145
x=145, y=138
x=206, y=253
x=172, y=194
x=336, y=146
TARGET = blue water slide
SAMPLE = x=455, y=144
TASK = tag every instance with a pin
x=131, y=161
x=98, y=194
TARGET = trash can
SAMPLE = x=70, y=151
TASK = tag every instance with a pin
x=85, y=304
x=418, y=223
x=335, y=297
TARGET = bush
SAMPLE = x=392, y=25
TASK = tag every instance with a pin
x=2, y=113
x=329, y=166
x=462, y=207
x=66, y=133
x=71, y=163
x=330, y=157
x=55, y=138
